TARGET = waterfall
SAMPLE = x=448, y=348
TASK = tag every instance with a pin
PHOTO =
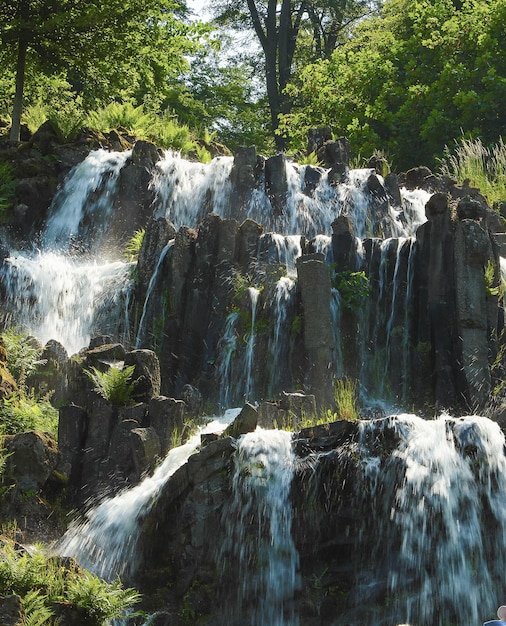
x=141, y=331
x=105, y=540
x=55, y=293
x=279, y=347
x=54, y=296
x=79, y=212
x=250, y=346
x=433, y=532
x=414, y=202
x=186, y=191
x=280, y=249
x=227, y=348
x=259, y=548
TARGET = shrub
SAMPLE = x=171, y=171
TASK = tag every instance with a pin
x=133, y=246
x=122, y=115
x=353, y=288
x=23, y=356
x=168, y=133
x=24, y=410
x=43, y=582
x=113, y=384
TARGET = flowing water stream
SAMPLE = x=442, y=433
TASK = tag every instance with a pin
x=433, y=541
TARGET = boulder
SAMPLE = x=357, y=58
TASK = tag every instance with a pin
x=32, y=459
x=245, y=422
x=146, y=374
x=145, y=448
x=12, y=612
x=166, y=416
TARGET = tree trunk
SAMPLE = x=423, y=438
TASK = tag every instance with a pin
x=18, y=96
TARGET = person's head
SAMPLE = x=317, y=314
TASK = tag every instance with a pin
x=501, y=613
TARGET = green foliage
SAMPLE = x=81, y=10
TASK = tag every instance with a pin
x=168, y=133
x=126, y=116
x=203, y=154
x=23, y=355
x=353, y=288
x=133, y=246
x=308, y=159
x=493, y=287
x=346, y=399
x=24, y=410
x=100, y=601
x=119, y=49
x=480, y=166
x=113, y=385
x=41, y=582
x=7, y=186
x=409, y=80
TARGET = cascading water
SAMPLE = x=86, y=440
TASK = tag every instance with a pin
x=56, y=293
x=259, y=547
x=151, y=287
x=55, y=296
x=81, y=209
x=105, y=541
x=283, y=304
x=250, y=346
x=433, y=536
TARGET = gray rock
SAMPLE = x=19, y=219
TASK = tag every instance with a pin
x=145, y=448
x=32, y=459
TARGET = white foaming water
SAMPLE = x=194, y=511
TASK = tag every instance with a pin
x=250, y=345
x=85, y=201
x=414, y=202
x=227, y=347
x=278, y=348
x=53, y=296
x=440, y=513
x=258, y=523
x=186, y=191
x=282, y=249
x=105, y=541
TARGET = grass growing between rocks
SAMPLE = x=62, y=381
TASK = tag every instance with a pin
x=481, y=166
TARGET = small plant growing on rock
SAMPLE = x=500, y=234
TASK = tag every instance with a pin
x=346, y=399
x=353, y=288
x=113, y=385
x=133, y=246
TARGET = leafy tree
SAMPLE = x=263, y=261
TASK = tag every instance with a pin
x=103, y=48
x=281, y=28
x=410, y=80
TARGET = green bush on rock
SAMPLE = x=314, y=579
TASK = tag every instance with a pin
x=49, y=586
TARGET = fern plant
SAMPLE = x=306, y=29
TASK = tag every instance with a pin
x=122, y=115
x=113, y=385
x=41, y=582
x=133, y=246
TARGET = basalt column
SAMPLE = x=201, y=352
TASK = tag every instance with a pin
x=315, y=289
x=473, y=252
x=435, y=356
